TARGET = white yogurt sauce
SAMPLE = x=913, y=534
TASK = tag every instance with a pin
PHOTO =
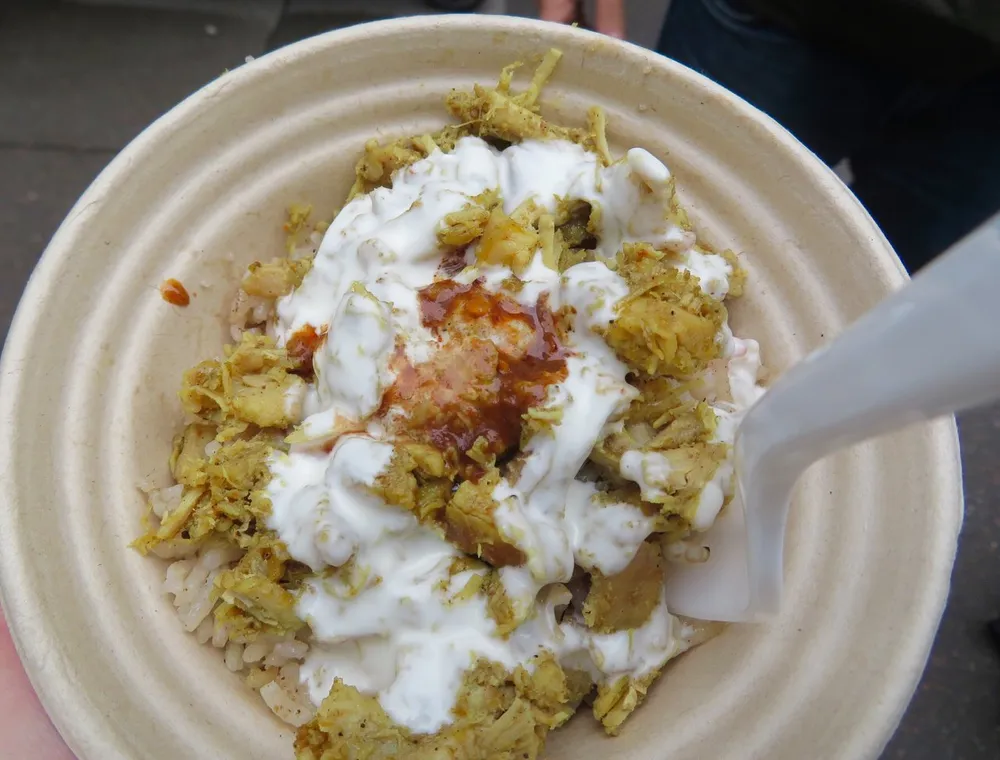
x=352, y=364
x=388, y=622
x=628, y=653
x=389, y=627
x=649, y=469
x=604, y=537
x=713, y=272
x=533, y=511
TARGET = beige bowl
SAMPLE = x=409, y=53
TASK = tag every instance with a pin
x=93, y=362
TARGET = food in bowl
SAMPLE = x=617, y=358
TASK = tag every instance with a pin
x=427, y=500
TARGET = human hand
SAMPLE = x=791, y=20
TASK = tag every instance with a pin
x=609, y=18
x=25, y=730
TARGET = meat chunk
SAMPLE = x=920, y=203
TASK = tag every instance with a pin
x=470, y=523
x=494, y=719
x=253, y=384
x=666, y=326
x=276, y=278
x=616, y=701
x=625, y=601
x=188, y=459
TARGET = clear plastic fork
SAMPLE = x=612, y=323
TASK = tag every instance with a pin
x=930, y=349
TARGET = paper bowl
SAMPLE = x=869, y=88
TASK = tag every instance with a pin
x=93, y=361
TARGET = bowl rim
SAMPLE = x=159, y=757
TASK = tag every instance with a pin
x=24, y=618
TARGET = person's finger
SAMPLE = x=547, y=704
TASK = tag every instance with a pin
x=562, y=11
x=25, y=730
x=610, y=18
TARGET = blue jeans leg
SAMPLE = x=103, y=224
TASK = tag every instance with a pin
x=932, y=173
x=926, y=158
x=826, y=100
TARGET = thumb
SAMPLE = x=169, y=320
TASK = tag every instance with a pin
x=25, y=730
x=611, y=18
x=562, y=11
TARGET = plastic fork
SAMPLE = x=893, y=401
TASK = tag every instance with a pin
x=876, y=377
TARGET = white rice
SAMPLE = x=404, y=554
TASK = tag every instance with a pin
x=270, y=663
x=219, y=636
x=256, y=651
x=287, y=698
x=162, y=500
x=249, y=314
x=203, y=633
x=190, y=581
x=234, y=656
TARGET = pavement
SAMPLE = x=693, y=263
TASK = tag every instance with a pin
x=80, y=79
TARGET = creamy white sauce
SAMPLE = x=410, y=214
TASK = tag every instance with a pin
x=388, y=627
x=604, y=536
x=532, y=512
x=634, y=653
x=352, y=364
x=713, y=272
x=606, y=657
x=321, y=506
x=649, y=469
x=389, y=623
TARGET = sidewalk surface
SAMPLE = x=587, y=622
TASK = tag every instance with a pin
x=79, y=80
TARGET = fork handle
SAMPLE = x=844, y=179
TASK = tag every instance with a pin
x=931, y=348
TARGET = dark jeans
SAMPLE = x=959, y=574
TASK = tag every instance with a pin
x=925, y=157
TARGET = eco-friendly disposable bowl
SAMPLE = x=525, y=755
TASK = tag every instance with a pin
x=92, y=365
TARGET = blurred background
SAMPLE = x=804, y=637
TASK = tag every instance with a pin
x=80, y=78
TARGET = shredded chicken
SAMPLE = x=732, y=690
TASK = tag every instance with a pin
x=498, y=715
